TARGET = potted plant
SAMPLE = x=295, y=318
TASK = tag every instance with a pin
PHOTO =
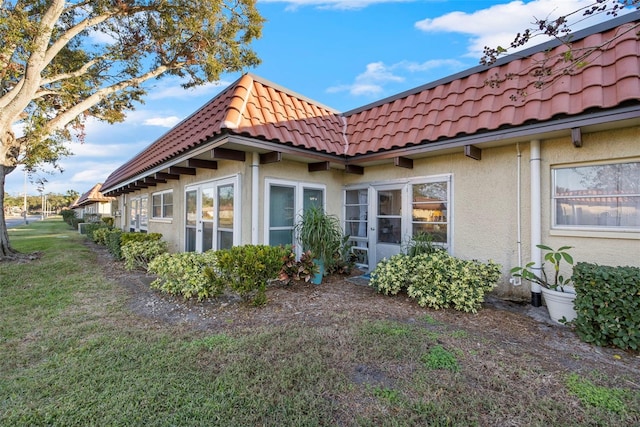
x=321, y=234
x=558, y=293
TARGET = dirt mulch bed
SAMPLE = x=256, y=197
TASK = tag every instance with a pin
x=517, y=329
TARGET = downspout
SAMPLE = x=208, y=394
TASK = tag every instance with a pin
x=255, y=187
x=517, y=281
x=536, y=228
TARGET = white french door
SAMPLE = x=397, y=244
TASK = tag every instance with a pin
x=388, y=226
x=210, y=212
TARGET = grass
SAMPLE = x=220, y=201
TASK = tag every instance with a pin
x=72, y=354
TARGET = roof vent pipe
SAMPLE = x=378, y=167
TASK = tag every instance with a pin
x=536, y=209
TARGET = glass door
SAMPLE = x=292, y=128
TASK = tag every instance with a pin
x=385, y=239
x=209, y=219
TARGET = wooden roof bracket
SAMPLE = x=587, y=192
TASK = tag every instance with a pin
x=403, y=162
x=228, y=154
x=473, y=152
x=318, y=166
x=576, y=137
x=271, y=157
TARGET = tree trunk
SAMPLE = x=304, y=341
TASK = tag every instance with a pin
x=6, y=251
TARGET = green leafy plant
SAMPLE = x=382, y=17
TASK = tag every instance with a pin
x=440, y=358
x=186, y=274
x=100, y=235
x=319, y=233
x=554, y=257
x=247, y=269
x=391, y=275
x=139, y=254
x=421, y=243
x=113, y=242
x=68, y=215
x=607, y=305
x=439, y=280
x=91, y=228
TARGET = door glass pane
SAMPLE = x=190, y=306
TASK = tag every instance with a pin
x=225, y=207
x=191, y=203
x=144, y=212
x=133, y=214
x=281, y=209
x=207, y=235
x=280, y=237
x=312, y=197
x=207, y=204
x=225, y=239
x=356, y=209
x=190, y=243
x=389, y=220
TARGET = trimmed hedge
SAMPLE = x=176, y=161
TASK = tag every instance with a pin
x=608, y=305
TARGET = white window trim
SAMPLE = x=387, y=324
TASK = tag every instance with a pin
x=162, y=204
x=299, y=187
x=610, y=232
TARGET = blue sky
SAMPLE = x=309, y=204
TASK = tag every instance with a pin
x=341, y=53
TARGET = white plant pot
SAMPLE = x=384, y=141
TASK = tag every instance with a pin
x=560, y=304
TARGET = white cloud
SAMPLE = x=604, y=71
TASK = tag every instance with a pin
x=498, y=24
x=165, y=122
x=373, y=80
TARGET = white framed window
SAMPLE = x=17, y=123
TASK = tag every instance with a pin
x=596, y=197
x=286, y=200
x=429, y=210
x=162, y=205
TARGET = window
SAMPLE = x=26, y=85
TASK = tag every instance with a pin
x=286, y=200
x=429, y=210
x=162, y=204
x=597, y=197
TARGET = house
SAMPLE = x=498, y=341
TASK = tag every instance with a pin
x=93, y=202
x=488, y=171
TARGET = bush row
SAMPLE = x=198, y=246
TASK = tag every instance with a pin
x=437, y=280
x=607, y=305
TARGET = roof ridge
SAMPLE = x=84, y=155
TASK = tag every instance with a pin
x=235, y=111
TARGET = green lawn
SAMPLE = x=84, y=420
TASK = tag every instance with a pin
x=71, y=353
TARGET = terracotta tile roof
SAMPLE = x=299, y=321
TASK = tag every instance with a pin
x=92, y=196
x=252, y=107
x=465, y=105
x=456, y=106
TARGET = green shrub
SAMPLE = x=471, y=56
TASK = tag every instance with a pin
x=68, y=215
x=139, y=254
x=100, y=235
x=109, y=220
x=91, y=228
x=392, y=275
x=247, y=269
x=112, y=241
x=131, y=236
x=421, y=243
x=91, y=217
x=75, y=221
x=189, y=274
x=607, y=305
x=439, y=280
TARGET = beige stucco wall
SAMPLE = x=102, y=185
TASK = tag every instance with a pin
x=484, y=206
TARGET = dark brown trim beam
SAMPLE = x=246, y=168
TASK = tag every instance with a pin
x=473, y=152
x=354, y=169
x=179, y=170
x=271, y=157
x=318, y=166
x=228, y=154
x=576, y=137
x=164, y=175
x=203, y=164
x=153, y=181
x=403, y=162
x=140, y=184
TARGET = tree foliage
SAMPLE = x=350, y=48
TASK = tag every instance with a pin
x=552, y=67
x=62, y=62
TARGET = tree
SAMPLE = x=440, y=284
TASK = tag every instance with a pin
x=62, y=62
x=553, y=67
